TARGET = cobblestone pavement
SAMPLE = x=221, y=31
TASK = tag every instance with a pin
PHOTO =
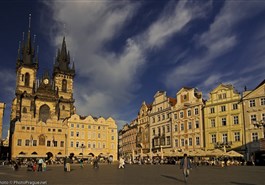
x=135, y=174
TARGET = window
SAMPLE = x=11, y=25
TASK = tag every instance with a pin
x=103, y=145
x=72, y=125
x=99, y=145
x=98, y=135
x=181, y=114
x=77, y=134
x=77, y=144
x=168, y=128
x=197, y=124
x=176, y=142
x=28, y=128
x=24, y=110
x=182, y=126
x=185, y=97
x=61, y=144
x=19, y=142
x=196, y=111
x=163, y=129
x=77, y=125
x=224, y=96
x=48, y=143
x=168, y=140
x=83, y=126
x=72, y=133
x=237, y=136
x=176, y=128
x=262, y=101
x=112, y=137
x=53, y=130
x=159, y=131
x=212, y=110
x=27, y=142
x=235, y=120
x=255, y=136
x=59, y=130
x=189, y=125
x=94, y=145
x=252, y=103
x=197, y=141
x=89, y=126
x=235, y=106
x=253, y=117
x=212, y=123
x=98, y=127
x=223, y=108
x=189, y=112
x=32, y=128
x=219, y=96
x=263, y=116
x=55, y=143
x=23, y=128
x=223, y=121
x=153, y=119
x=213, y=138
x=72, y=144
x=34, y=143
x=190, y=141
x=175, y=116
x=182, y=142
x=163, y=117
x=225, y=138
x=88, y=145
x=154, y=131
x=158, y=117
x=27, y=79
x=64, y=85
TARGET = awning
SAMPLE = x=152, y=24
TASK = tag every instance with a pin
x=31, y=156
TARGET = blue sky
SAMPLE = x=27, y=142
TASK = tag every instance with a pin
x=124, y=51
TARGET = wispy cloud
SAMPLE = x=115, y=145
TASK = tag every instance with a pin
x=217, y=41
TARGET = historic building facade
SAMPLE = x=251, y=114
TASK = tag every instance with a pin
x=187, y=120
x=143, y=130
x=223, y=116
x=128, y=139
x=92, y=136
x=160, y=122
x=43, y=112
x=254, y=118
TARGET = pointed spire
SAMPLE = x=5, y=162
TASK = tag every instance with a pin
x=18, y=51
x=73, y=66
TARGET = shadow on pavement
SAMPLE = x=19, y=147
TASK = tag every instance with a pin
x=174, y=178
x=241, y=183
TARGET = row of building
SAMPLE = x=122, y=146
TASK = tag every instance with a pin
x=227, y=120
x=43, y=120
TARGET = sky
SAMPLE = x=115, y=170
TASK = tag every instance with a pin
x=126, y=50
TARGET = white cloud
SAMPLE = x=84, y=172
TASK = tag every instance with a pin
x=217, y=41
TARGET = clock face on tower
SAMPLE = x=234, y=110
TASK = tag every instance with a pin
x=46, y=81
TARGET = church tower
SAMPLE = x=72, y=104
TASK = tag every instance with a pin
x=63, y=77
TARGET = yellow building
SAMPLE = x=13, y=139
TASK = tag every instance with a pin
x=254, y=117
x=38, y=126
x=160, y=123
x=187, y=118
x=143, y=134
x=2, y=109
x=92, y=136
x=223, y=115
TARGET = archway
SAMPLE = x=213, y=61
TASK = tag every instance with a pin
x=44, y=113
x=49, y=155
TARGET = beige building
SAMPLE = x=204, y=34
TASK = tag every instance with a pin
x=2, y=110
x=254, y=117
x=143, y=135
x=160, y=123
x=92, y=136
x=223, y=115
x=129, y=133
x=39, y=110
x=187, y=118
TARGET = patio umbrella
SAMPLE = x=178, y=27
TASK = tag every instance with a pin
x=233, y=153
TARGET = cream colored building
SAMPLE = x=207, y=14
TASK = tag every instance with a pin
x=92, y=136
x=254, y=117
x=160, y=123
x=143, y=135
x=223, y=115
x=187, y=118
x=129, y=133
x=2, y=110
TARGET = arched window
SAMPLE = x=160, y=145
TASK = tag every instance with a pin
x=24, y=110
x=27, y=78
x=44, y=113
x=64, y=85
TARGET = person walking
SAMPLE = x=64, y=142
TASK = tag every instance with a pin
x=68, y=161
x=185, y=165
x=40, y=161
x=121, y=163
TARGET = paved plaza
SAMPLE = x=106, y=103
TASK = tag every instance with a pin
x=135, y=174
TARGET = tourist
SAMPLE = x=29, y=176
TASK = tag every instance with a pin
x=121, y=162
x=44, y=166
x=68, y=161
x=40, y=161
x=81, y=163
x=185, y=165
